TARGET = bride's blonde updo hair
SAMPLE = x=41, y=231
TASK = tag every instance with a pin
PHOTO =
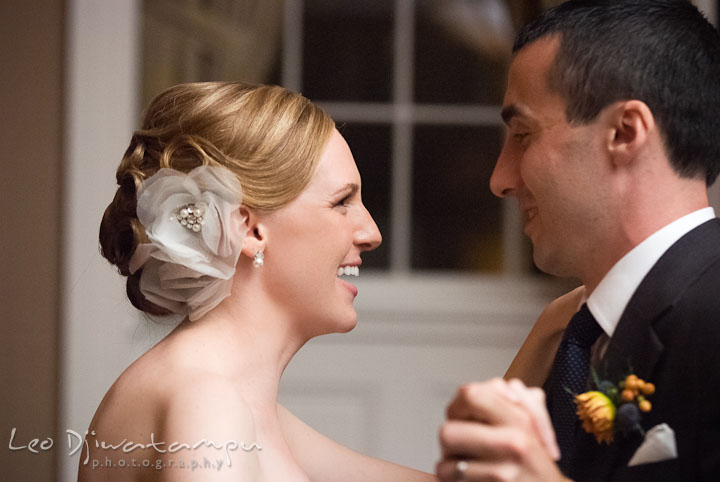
x=269, y=137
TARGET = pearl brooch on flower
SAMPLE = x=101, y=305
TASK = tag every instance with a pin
x=190, y=216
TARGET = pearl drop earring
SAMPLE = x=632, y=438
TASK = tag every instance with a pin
x=259, y=259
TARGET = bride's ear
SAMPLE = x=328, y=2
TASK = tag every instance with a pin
x=255, y=239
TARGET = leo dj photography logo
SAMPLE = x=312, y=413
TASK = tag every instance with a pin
x=94, y=450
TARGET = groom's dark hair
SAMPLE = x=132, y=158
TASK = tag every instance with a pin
x=662, y=52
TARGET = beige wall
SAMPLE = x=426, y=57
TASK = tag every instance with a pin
x=31, y=100
x=102, y=332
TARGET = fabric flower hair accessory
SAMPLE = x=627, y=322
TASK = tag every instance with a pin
x=196, y=233
x=614, y=408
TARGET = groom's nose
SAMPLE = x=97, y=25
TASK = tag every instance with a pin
x=506, y=179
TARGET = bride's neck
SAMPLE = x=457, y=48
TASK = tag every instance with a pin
x=248, y=340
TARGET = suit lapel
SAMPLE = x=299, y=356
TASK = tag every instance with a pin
x=637, y=344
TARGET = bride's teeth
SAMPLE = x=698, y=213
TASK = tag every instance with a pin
x=349, y=271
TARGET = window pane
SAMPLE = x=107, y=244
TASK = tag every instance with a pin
x=456, y=219
x=209, y=40
x=461, y=51
x=347, y=50
x=371, y=147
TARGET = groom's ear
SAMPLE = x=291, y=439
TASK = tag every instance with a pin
x=256, y=237
x=631, y=126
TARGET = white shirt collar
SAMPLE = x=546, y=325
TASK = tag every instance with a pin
x=608, y=301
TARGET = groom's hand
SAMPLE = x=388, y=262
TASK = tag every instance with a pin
x=498, y=430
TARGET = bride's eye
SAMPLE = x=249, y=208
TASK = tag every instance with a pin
x=343, y=202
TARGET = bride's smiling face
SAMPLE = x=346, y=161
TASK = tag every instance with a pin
x=323, y=230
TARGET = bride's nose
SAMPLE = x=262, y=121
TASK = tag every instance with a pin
x=367, y=235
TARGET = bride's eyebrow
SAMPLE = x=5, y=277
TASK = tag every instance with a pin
x=351, y=187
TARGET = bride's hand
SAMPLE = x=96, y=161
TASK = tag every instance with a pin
x=499, y=429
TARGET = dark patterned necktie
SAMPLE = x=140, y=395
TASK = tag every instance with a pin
x=568, y=377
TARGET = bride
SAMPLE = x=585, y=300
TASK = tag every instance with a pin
x=239, y=211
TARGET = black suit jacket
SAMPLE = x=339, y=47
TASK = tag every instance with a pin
x=669, y=334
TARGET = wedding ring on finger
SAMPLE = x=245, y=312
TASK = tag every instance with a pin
x=460, y=468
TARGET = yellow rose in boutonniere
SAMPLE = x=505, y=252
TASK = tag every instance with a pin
x=597, y=413
x=614, y=408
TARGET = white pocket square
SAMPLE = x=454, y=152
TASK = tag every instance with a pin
x=658, y=445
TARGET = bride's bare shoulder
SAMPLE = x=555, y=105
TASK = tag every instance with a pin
x=180, y=390
x=207, y=404
x=208, y=419
x=181, y=412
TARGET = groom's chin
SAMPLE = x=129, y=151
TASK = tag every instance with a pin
x=549, y=262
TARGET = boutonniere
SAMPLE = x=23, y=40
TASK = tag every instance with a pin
x=614, y=408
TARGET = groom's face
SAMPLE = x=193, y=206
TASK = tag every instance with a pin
x=551, y=167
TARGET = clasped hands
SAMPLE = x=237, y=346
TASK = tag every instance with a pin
x=498, y=430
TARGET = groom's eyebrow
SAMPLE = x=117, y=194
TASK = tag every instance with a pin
x=512, y=111
x=508, y=112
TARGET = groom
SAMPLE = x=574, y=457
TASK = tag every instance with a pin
x=613, y=115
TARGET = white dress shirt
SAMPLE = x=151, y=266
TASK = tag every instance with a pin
x=608, y=301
